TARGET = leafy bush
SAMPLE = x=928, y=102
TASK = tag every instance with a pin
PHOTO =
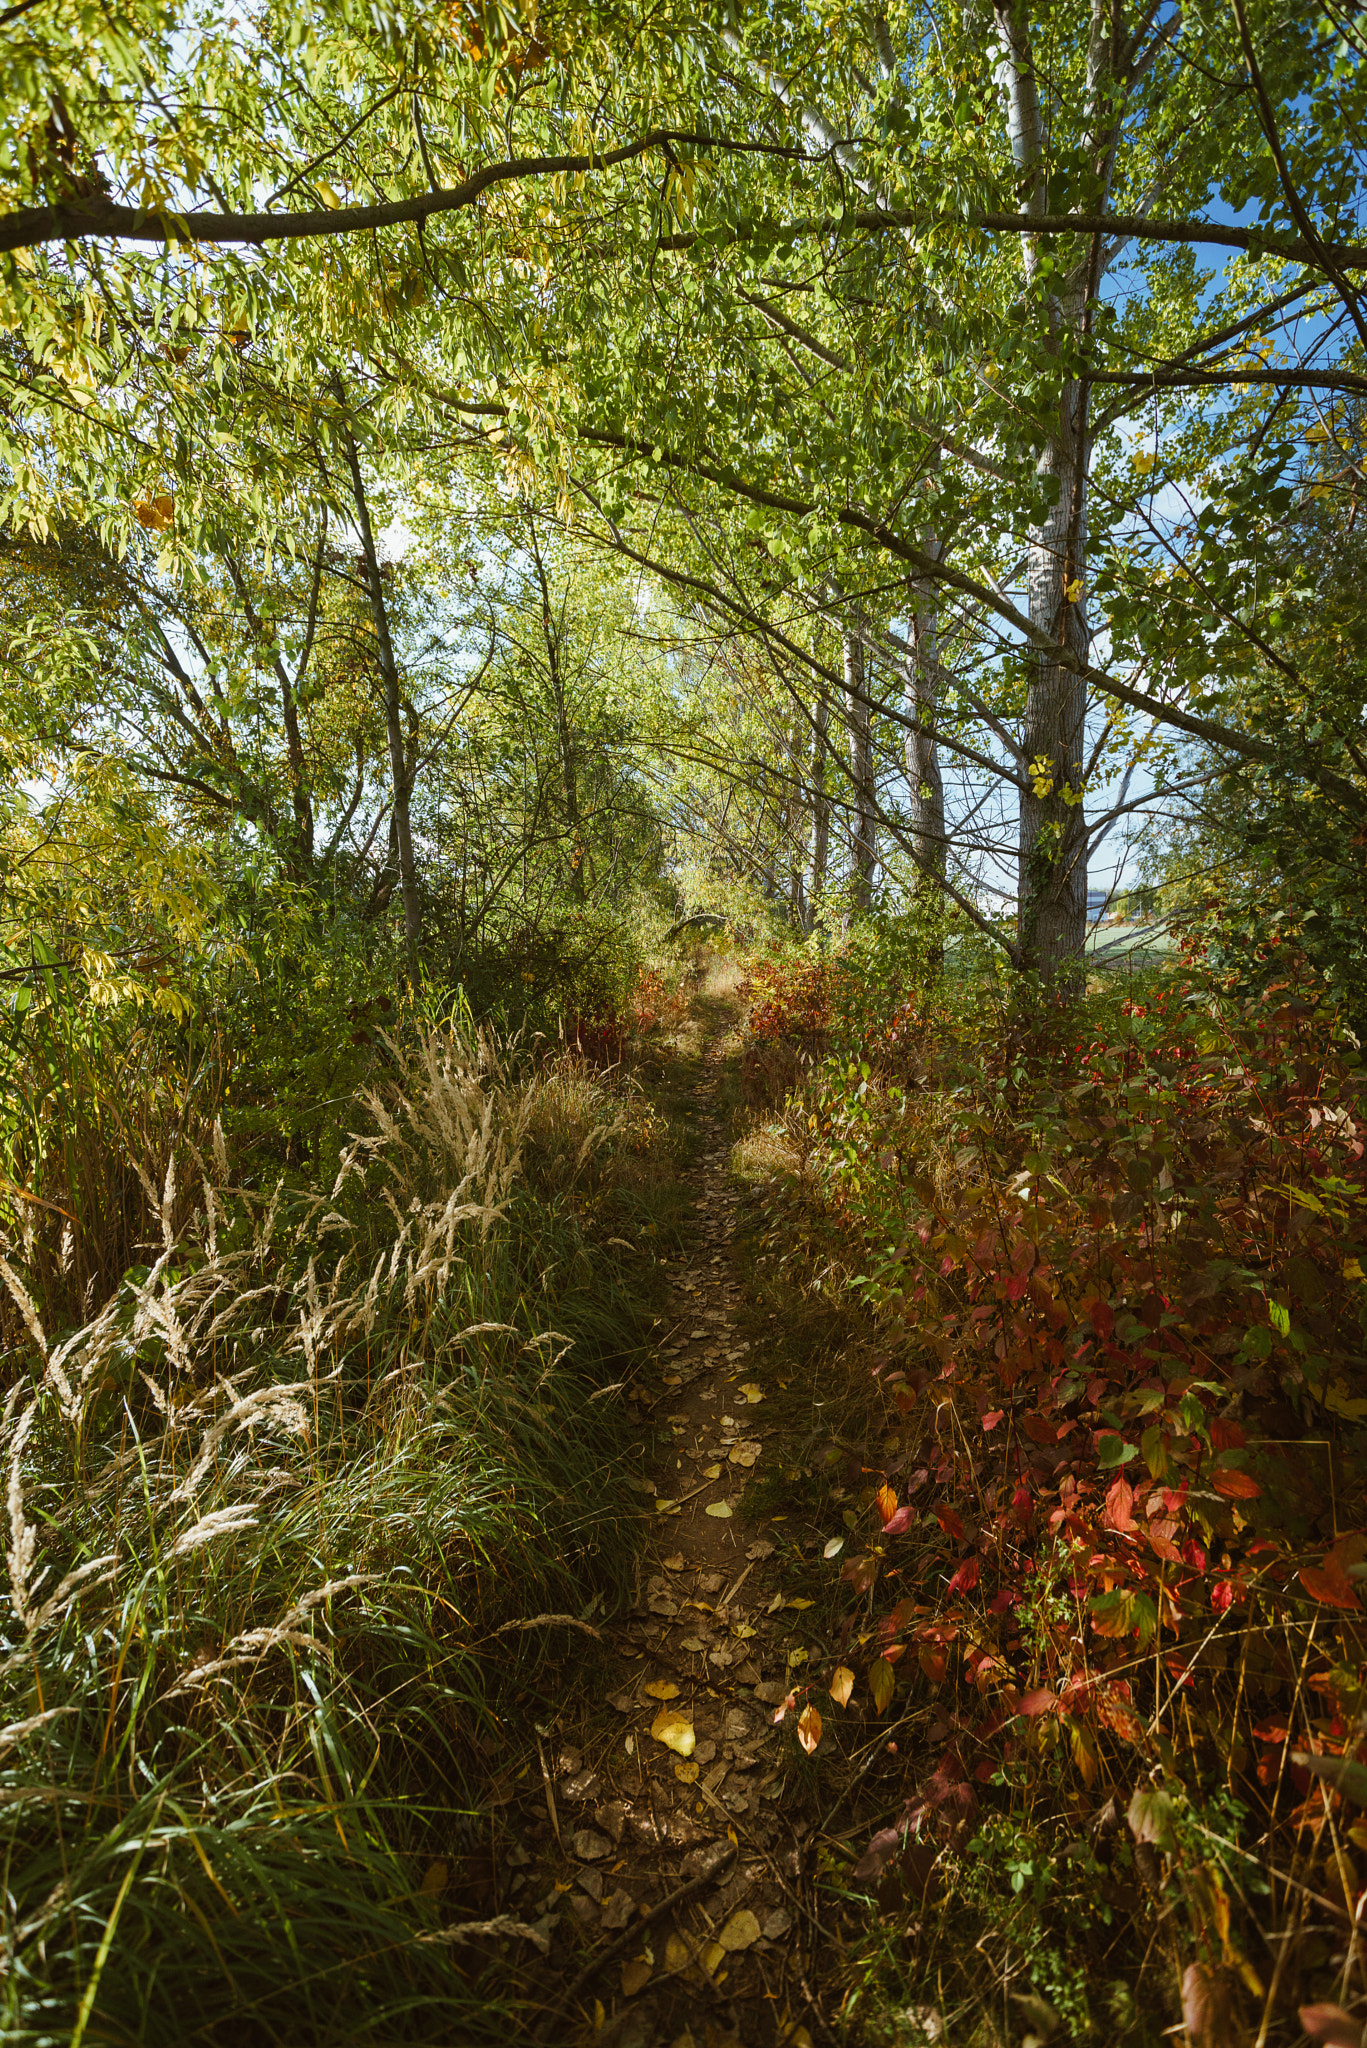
x=1114, y=1555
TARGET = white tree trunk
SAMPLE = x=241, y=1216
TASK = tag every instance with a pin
x=863, y=816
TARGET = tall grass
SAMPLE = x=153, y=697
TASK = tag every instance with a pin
x=264, y=1512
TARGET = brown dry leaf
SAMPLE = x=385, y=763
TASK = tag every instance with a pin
x=842, y=1685
x=757, y=1551
x=662, y=1689
x=721, y=1509
x=740, y=1930
x=744, y=1455
x=687, y=1774
x=693, y=1643
x=636, y=1975
x=675, y=1731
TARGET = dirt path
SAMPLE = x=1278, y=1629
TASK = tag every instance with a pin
x=662, y=1870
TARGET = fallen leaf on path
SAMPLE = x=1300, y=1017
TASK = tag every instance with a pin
x=743, y=1630
x=687, y=1774
x=635, y=1976
x=740, y=1931
x=712, y=1472
x=678, y=1953
x=809, y=1729
x=752, y=1391
x=675, y=1563
x=759, y=1550
x=721, y=1509
x=666, y=1507
x=675, y=1731
x=662, y=1689
x=842, y=1685
x=745, y=1455
x=712, y=1957
x=799, y=1603
x=834, y=1547
x=694, y=1643
x=589, y=1847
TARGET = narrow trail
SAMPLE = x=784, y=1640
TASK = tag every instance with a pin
x=661, y=1868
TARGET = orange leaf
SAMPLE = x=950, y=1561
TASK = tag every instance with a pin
x=842, y=1685
x=886, y=1501
x=1330, y=1587
x=1235, y=1485
x=1118, y=1512
x=809, y=1728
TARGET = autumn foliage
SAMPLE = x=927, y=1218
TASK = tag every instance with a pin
x=1122, y=1288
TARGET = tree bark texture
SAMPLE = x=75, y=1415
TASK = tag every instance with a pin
x=863, y=815
x=1052, y=847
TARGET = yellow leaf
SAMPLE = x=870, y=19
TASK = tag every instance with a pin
x=674, y=1731
x=662, y=1689
x=882, y=1682
x=809, y=1728
x=712, y=1472
x=752, y=1391
x=740, y=1931
x=155, y=514
x=842, y=1685
x=1073, y=591
x=636, y=1975
x=678, y=1954
x=712, y=1957
x=687, y=1774
x=721, y=1509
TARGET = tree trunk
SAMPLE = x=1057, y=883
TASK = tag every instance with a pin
x=569, y=766
x=821, y=804
x=926, y=782
x=863, y=822
x=399, y=767
x=1053, y=834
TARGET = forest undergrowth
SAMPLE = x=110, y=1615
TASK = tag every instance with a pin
x=1098, y=1519
x=299, y=1518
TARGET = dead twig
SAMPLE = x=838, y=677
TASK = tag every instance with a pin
x=631, y=1934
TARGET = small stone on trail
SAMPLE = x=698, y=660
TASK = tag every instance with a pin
x=568, y=1762
x=591, y=1881
x=776, y=1924
x=582, y=1787
x=757, y=1551
x=588, y=1846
